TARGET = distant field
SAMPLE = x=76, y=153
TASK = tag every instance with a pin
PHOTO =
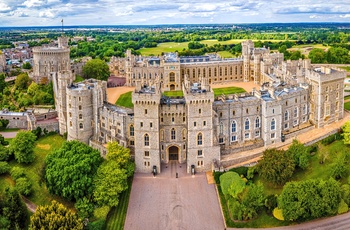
x=164, y=47
x=228, y=90
x=125, y=100
x=177, y=93
x=175, y=46
x=305, y=49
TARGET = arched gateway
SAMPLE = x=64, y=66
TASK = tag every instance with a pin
x=173, y=153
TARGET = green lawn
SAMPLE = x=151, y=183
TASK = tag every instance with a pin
x=10, y=130
x=227, y=91
x=125, y=100
x=347, y=106
x=40, y=195
x=165, y=47
x=116, y=217
x=347, y=97
x=347, y=68
x=225, y=54
x=177, y=93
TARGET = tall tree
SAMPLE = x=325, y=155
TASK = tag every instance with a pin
x=22, y=81
x=299, y=153
x=70, y=170
x=55, y=216
x=2, y=82
x=112, y=175
x=22, y=146
x=13, y=209
x=276, y=166
x=96, y=68
x=346, y=132
x=317, y=55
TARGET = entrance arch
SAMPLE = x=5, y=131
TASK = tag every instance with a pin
x=173, y=153
x=172, y=87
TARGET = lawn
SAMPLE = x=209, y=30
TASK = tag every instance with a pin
x=225, y=54
x=165, y=47
x=40, y=195
x=228, y=90
x=177, y=93
x=125, y=100
x=346, y=97
x=347, y=106
x=347, y=68
x=116, y=217
x=315, y=170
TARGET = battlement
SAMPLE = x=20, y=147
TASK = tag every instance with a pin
x=325, y=74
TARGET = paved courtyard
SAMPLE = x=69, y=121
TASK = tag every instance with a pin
x=167, y=202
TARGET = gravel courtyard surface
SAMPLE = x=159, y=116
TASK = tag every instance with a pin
x=167, y=202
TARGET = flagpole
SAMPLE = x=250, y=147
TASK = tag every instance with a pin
x=62, y=26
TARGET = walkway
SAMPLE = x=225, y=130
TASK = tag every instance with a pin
x=167, y=202
x=9, y=134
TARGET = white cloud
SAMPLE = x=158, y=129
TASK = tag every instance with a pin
x=4, y=7
x=33, y=3
x=47, y=14
x=345, y=16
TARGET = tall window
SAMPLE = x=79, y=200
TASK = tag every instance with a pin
x=286, y=116
x=184, y=134
x=233, y=126
x=246, y=124
x=172, y=77
x=257, y=122
x=81, y=126
x=304, y=109
x=221, y=127
x=173, y=134
x=273, y=124
x=199, y=139
x=131, y=130
x=80, y=116
x=295, y=112
x=146, y=139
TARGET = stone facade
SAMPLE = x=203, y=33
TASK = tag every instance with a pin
x=198, y=128
x=2, y=62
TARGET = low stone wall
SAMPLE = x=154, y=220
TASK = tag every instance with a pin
x=46, y=116
x=296, y=133
x=96, y=145
x=239, y=148
x=52, y=126
x=322, y=137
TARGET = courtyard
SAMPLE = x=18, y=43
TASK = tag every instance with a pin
x=167, y=202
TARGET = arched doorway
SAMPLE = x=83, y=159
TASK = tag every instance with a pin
x=173, y=152
x=172, y=87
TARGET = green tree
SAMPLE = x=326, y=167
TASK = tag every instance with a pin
x=3, y=83
x=339, y=167
x=346, y=132
x=70, y=170
x=13, y=209
x=96, y=68
x=24, y=186
x=55, y=216
x=4, y=167
x=33, y=89
x=22, y=81
x=276, y=166
x=112, y=175
x=317, y=56
x=252, y=201
x=4, y=153
x=17, y=172
x=26, y=65
x=299, y=153
x=22, y=146
x=3, y=141
x=309, y=199
x=3, y=124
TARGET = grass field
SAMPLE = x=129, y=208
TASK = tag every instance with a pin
x=225, y=54
x=40, y=195
x=174, y=46
x=125, y=100
x=177, y=93
x=227, y=91
x=116, y=217
x=347, y=106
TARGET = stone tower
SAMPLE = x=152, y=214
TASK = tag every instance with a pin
x=146, y=100
x=247, y=47
x=61, y=80
x=48, y=60
x=83, y=102
x=201, y=151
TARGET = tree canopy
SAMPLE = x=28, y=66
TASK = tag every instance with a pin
x=55, y=216
x=22, y=146
x=346, y=132
x=112, y=175
x=299, y=153
x=70, y=170
x=309, y=199
x=276, y=166
x=22, y=81
x=96, y=68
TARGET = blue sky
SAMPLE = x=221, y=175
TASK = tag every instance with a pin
x=150, y=12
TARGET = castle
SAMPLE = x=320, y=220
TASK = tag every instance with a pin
x=198, y=128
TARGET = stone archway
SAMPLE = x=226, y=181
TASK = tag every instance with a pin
x=172, y=87
x=173, y=153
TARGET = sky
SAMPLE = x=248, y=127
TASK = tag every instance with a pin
x=152, y=12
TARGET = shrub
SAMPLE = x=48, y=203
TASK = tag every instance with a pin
x=270, y=203
x=343, y=207
x=85, y=208
x=240, y=170
x=251, y=172
x=97, y=225
x=17, y=172
x=217, y=176
x=101, y=212
x=330, y=139
x=4, y=153
x=24, y=186
x=4, y=167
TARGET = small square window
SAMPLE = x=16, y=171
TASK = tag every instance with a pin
x=204, y=123
x=141, y=124
x=273, y=135
x=200, y=153
x=246, y=135
x=194, y=124
x=151, y=124
x=146, y=153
